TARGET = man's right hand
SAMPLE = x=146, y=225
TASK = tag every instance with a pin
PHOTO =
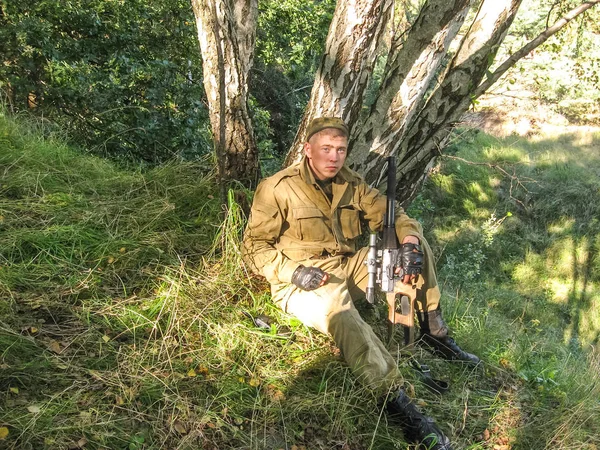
x=309, y=278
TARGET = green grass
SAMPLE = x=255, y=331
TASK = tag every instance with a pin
x=122, y=292
x=516, y=233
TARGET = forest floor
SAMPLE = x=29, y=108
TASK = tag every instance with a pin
x=124, y=307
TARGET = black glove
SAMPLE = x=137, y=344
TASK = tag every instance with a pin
x=308, y=278
x=410, y=259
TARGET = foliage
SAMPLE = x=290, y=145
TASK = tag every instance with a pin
x=564, y=71
x=292, y=34
x=123, y=78
x=290, y=41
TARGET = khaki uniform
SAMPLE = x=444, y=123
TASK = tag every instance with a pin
x=294, y=222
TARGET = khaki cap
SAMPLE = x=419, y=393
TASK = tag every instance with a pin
x=321, y=123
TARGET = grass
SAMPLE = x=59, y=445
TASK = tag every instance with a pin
x=123, y=292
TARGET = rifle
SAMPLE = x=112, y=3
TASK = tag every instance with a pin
x=382, y=264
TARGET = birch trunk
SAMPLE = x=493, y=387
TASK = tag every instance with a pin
x=417, y=103
x=355, y=36
x=412, y=63
x=427, y=134
x=226, y=32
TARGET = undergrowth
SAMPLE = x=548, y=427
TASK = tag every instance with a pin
x=125, y=319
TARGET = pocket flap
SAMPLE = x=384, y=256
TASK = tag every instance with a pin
x=306, y=213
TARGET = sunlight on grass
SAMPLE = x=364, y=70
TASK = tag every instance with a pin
x=126, y=320
x=562, y=227
x=506, y=154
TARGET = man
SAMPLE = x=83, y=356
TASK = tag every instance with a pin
x=301, y=235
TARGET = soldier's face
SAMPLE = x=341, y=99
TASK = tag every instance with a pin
x=326, y=153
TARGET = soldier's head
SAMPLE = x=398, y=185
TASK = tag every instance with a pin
x=326, y=146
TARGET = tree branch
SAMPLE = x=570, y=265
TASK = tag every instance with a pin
x=515, y=180
x=540, y=39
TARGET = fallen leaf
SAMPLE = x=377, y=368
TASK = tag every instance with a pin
x=54, y=346
x=14, y=390
x=33, y=330
x=486, y=434
x=105, y=338
x=191, y=373
x=119, y=400
x=275, y=394
x=3, y=433
x=179, y=427
x=110, y=260
x=81, y=442
x=254, y=382
x=122, y=250
x=34, y=409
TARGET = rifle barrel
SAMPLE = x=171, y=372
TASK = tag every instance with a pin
x=389, y=231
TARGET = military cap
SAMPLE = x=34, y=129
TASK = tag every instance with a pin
x=321, y=123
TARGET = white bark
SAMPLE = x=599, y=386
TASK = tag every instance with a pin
x=226, y=33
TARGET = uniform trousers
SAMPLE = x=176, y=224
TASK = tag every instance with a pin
x=331, y=310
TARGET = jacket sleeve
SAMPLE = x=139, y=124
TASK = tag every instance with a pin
x=372, y=204
x=264, y=227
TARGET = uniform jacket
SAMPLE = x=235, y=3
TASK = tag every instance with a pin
x=292, y=220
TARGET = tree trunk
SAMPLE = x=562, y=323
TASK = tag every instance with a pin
x=427, y=134
x=226, y=32
x=419, y=100
x=412, y=63
x=355, y=36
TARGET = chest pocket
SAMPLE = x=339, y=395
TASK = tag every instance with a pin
x=350, y=222
x=311, y=224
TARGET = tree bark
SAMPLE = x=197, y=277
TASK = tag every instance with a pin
x=426, y=135
x=226, y=32
x=419, y=100
x=355, y=36
x=412, y=63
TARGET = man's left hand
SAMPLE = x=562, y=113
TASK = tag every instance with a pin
x=410, y=260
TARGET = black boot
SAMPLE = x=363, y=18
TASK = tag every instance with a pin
x=417, y=428
x=434, y=337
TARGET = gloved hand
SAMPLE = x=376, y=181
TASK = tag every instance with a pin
x=410, y=259
x=308, y=278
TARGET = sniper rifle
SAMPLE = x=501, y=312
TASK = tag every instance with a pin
x=385, y=270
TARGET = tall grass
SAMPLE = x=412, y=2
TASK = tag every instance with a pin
x=515, y=226
x=124, y=319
